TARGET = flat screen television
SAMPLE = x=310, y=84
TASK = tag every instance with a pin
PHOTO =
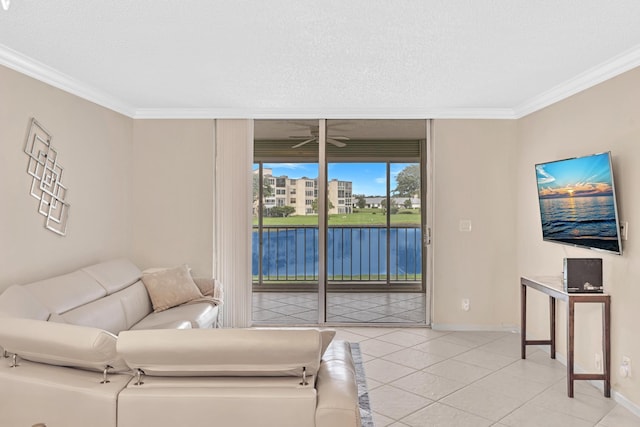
x=578, y=202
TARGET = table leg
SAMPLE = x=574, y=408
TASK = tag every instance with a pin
x=606, y=344
x=552, y=325
x=570, y=343
x=523, y=321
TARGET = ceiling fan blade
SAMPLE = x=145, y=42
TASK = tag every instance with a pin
x=303, y=142
x=338, y=144
x=341, y=138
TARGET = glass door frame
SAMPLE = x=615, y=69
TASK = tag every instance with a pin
x=322, y=221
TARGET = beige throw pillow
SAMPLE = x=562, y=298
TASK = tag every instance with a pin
x=171, y=287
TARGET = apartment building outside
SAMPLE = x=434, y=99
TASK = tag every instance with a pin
x=301, y=193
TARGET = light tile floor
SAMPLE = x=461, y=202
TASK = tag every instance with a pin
x=420, y=377
x=342, y=307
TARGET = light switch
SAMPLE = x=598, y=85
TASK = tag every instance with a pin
x=624, y=230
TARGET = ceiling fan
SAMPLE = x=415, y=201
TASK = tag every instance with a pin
x=314, y=133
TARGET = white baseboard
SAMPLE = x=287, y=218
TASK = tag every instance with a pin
x=599, y=384
x=626, y=403
x=451, y=327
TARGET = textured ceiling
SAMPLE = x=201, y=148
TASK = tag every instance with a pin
x=334, y=58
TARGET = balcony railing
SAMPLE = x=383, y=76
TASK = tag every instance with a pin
x=355, y=254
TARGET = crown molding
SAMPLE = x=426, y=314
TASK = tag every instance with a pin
x=598, y=74
x=39, y=71
x=328, y=113
x=617, y=65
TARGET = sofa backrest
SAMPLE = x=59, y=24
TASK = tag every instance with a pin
x=17, y=301
x=114, y=313
x=222, y=352
x=63, y=293
x=59, y=344
x=114, y=275
x=108, y=295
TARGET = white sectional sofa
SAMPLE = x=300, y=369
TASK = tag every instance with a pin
x=87, y=348
x=109, y=296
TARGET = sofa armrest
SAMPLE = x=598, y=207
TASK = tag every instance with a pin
x=222, y=352
x=211, y=288
x=173, y=324
x=337, y=388
x=205, y=285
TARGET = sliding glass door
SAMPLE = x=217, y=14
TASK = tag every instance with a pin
x=338, y=232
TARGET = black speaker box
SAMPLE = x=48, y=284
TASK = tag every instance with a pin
x=582, y=275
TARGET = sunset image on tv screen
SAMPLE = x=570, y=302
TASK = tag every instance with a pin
x=577, y=203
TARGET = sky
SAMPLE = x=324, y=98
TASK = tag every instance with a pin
x=578, y=177
x=367, y=178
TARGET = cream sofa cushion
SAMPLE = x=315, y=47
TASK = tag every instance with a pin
x=171, y=287
x=206, y=402
x=36, y=393
x=105, y=313
x=199, y=315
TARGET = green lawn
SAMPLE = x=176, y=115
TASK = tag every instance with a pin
x=362, y=217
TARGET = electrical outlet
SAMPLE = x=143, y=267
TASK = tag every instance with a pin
x=466, y=305
x=598, y=362
x=625, y=367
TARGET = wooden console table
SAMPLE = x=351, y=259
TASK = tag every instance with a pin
x=552, y=286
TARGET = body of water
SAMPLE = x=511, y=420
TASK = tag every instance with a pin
x=353, y=253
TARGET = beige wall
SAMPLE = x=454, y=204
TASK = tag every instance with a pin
x=603, y=118
x=94, y=147
x=474, y=170
x=173, y=189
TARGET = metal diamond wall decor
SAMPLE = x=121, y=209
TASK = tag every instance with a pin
x=46, y=185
